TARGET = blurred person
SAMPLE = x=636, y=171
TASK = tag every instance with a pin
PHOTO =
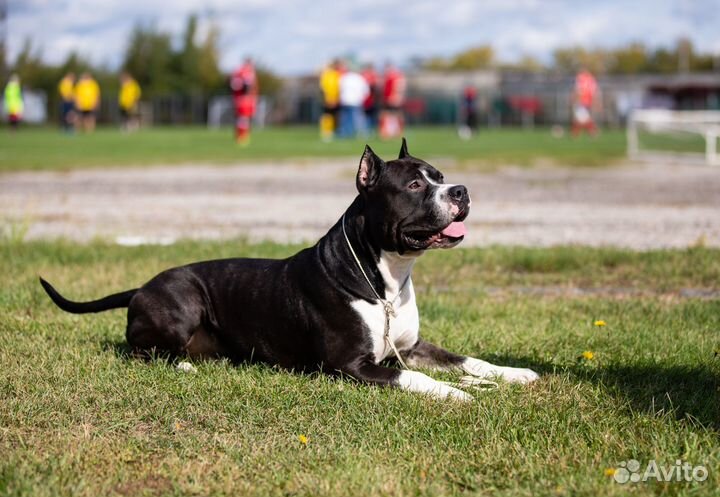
x=330, y=88
x=468, y=112
x=244, y=86
x=87, y=102
x=128, y=99
x=66, y=89
x=370, y=106
x=353, y=92
x=394, y=87
x=584, y=97
x=13, y=102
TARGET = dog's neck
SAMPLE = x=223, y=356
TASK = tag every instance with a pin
x=389, y=270
x=395, y=270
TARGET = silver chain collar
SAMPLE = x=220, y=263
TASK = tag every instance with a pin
x=388, y=306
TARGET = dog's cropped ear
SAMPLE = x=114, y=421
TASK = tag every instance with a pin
x=403, y=150
x=369, y=171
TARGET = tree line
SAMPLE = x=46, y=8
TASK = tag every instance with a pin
x=633, y=58
x=161, y=68
x=192, y=66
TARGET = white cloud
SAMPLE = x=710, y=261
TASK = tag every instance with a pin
x=293, y=36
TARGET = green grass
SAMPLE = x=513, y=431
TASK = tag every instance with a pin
x=44, y=148
x=78, y=417
x=672, y=142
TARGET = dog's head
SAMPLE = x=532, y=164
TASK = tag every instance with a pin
x=408, y=205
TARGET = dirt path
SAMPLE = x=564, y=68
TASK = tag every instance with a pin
x=637, y=206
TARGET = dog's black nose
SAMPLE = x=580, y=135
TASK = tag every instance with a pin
x=458, y=192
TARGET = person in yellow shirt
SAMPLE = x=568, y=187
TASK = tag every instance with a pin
x=330, y=88
x=66, y=88
x=13, y=102
x=128, y=99
x=87, y=102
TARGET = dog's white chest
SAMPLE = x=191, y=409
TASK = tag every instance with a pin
x=404, y=326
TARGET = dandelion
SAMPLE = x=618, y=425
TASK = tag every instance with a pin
x=303, y=439
x=600, y=322
x=610, y=471
x=178, y=426
x=588, y=355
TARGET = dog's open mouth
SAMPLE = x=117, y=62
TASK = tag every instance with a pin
x=448, y=237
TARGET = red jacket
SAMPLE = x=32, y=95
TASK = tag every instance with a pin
x=243, y=83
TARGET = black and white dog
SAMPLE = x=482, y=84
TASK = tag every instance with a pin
x=343, y=305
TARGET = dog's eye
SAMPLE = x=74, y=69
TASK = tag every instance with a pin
x=415, y=185
x=441, y=179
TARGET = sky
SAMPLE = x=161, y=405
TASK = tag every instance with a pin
x=296, y=37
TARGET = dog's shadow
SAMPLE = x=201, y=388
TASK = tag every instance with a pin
x=687, y=392
x=121, y=349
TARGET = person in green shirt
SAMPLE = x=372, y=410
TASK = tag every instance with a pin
x=13, y=101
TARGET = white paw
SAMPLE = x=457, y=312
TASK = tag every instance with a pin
x=519, y=375
x=415, y=381
x=483, y=369
x=449, y=392
x=186, y=367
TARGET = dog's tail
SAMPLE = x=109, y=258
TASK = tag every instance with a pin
x=114, y=301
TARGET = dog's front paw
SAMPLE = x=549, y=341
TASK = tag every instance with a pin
x=519, y=375
x=484, y=369
x=455, y=394
x=421, y=383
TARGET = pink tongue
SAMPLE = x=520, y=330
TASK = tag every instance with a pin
x=455, y=230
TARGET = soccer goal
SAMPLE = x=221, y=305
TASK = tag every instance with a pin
x=662, y=134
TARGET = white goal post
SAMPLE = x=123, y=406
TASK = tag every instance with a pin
x=705, y=123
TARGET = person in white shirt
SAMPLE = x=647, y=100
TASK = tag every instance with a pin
x=353, y=92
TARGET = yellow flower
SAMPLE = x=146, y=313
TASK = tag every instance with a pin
x=588, y=355
x=600, y=322
x=609, y=471
x=303, y=439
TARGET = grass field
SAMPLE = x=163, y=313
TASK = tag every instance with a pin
x=45, y=148
x=79, y=417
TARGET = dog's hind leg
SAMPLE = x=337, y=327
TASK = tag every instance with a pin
x=426, y=355
x=159, y=322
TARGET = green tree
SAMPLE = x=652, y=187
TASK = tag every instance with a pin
x=629, y=60
x=663, y=60
x=187, y=61
x=28, y=64
x=210, y=77
x=3, y=61
x=526, y=64
x=148, y=58
x=436, y=64
x=571, y=59
x=75, y=63
x=269, y=82
x=481, y=57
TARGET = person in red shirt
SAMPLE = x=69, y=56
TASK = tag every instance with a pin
x=370, y=106
x=584, y=99
x=391, y=119
x=244, y=86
